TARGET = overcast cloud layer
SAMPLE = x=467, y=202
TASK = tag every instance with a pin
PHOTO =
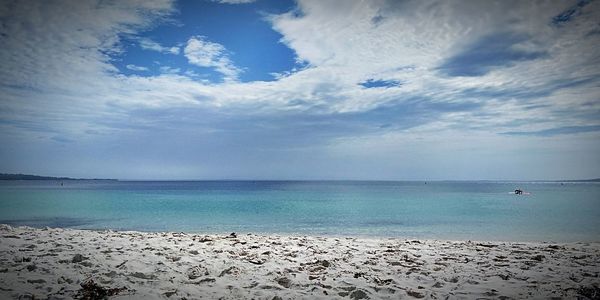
x=379, y=90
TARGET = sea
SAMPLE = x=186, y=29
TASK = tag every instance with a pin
x=446, y=210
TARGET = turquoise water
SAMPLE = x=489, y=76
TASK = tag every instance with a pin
x=435, y=210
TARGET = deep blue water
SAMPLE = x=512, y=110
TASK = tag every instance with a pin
x=435, y=210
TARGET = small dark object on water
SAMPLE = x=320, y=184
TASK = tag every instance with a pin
x=232, y=235
x=518, y=192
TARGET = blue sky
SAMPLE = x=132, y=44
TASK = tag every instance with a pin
x=410, y=90
x=242, y=30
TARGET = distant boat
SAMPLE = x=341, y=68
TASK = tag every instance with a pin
x=519, y=192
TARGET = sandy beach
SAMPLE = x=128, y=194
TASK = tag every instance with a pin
x=64, y=263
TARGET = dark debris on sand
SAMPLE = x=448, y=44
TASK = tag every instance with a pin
x=93, y=291
x=591, y=292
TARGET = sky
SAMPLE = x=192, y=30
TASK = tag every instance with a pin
x=242, y=89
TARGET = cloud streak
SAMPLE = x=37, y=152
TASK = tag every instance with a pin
x=136, y=68
x=556, y=131
x=149, y=44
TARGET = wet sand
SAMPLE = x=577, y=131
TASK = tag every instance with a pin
x=64, y=264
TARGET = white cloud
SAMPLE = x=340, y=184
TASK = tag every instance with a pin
x=149, y=44
x=349, y=42
x=136, y=68
x=204, y=53
x=57, y=57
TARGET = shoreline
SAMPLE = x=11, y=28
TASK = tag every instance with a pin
x=362, y=236
x=65, y=263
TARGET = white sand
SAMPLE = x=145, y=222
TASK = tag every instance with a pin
x=53, y=263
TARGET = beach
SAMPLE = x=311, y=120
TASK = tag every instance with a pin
x=55, y=263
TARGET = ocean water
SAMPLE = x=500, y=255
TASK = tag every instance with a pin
x=433, y=210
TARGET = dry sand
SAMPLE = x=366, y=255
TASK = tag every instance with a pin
x=64, y=263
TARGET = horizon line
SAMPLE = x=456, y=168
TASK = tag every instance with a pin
x=45, y=177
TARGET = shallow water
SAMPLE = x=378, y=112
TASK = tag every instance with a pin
x=433, y=210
